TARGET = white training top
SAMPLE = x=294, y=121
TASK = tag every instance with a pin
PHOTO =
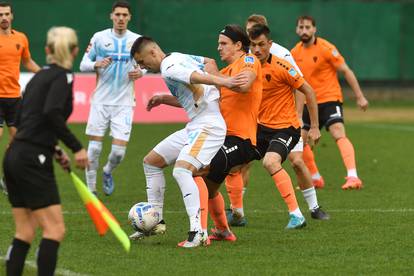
x=283, y=53
x=113, y=87
x=176, y=70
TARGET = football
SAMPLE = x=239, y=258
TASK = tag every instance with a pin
x=143, y=217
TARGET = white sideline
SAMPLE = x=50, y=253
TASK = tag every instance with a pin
x=373, y=210
x=59, y=271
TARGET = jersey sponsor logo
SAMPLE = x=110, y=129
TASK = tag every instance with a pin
x=335, y=53
x=42, y=158
x=108, y=44
x=249, y=59
x=292, y=72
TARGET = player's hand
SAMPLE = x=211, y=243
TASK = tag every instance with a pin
x=63, y=159
x=211, y=67
x=314, y=134
x=103, y=63
x=135, y=74
x=155, y=100
x=81, y=159
x=237, y=81
x=362, y=103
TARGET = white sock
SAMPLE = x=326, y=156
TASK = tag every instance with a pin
x=191, y=196
x=316, y=176
x=352, y=173
x=239, y=211
x=94, y=151
x=115, y=157
x=296, y=212
x=155, y=187
x=310, y=197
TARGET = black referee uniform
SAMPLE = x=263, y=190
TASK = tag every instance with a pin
x=41, y=122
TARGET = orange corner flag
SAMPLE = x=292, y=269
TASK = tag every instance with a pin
x=100, y=215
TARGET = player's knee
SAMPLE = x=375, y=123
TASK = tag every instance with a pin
x=94, y=150
x=297, y=164
x=272, y=163
x=117, y=153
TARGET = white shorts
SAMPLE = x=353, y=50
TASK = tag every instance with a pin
x=196, y=143
x=299, y=146
x=117, y=117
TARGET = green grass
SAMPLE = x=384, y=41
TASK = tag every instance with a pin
x=371, y=231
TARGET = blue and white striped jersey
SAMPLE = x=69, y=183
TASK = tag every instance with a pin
x=176, y=70
x=113, y=87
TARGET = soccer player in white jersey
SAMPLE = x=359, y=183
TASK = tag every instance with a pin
x=193, y=147
x=235, y=216
x=113, y=101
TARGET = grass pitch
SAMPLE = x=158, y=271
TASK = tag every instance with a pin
x=370, y=232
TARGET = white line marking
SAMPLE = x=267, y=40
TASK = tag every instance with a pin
x=59, y=271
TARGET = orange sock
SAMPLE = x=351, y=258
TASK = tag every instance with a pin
x=202, y=189
x=217, y=212
x=234, y=186
x=309, y=159
x=347, y=152
x=285, y=187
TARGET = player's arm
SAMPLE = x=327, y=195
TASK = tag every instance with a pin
x=314, y=133
x=160, y=99
x=30, y=65
x=350, y=77
x=229, y=82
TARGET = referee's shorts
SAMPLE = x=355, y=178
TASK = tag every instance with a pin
x=29, y=176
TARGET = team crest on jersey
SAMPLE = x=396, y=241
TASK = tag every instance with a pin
x=18, y=47
x=292, y=72
x=268, y=77
x=249, y=59
x=315, y=58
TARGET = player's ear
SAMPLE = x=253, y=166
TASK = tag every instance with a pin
x=47, y=50
x=111, y=16
x=239, y=45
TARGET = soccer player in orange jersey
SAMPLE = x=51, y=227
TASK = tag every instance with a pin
x=239, y=108
x=320, y=61
x=278, y=124
x=236, y=189
x=14, y=49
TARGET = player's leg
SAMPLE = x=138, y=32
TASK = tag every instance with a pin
x=95, y=129
x=308, y=156
x=121, y=126
x=234, y=186
x=305, y=182
x=25, y=233
x=347, y=151
x=335, y=126
x=50, y=220
x=275, y=145
x=201, y=147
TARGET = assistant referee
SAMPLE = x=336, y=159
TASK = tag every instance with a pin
x=28, y=162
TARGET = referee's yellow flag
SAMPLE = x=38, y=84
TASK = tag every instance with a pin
x=100, y=215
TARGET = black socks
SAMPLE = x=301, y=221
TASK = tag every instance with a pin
x=15, y=257
x=47, y=257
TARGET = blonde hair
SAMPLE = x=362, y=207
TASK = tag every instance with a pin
x=61, y=41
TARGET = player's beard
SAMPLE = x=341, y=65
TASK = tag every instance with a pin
x=4, y=25
x=305, y=39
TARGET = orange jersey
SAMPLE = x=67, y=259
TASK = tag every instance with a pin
x=318, y=64
x=280, y=79
x=13, y=48
x=240, y=110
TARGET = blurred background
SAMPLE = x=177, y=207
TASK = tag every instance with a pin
x=375, y=37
